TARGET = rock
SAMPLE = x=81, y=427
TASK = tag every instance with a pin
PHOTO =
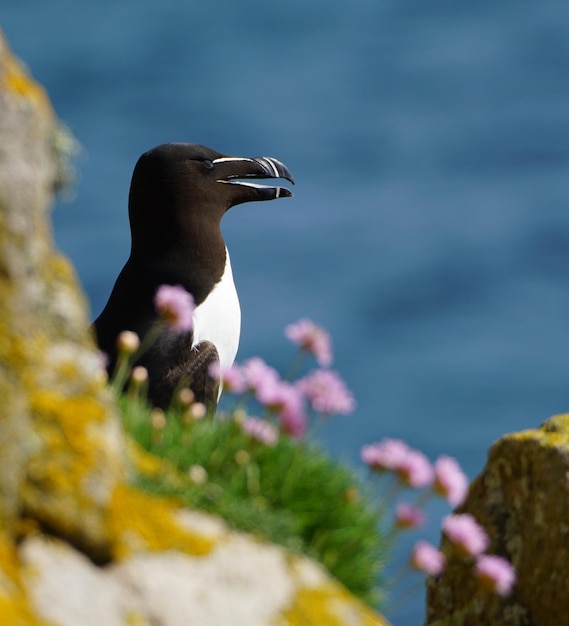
x=61, y=453
x=240, y=581
x=78, y=544
x=522, y=500
x=243, y=581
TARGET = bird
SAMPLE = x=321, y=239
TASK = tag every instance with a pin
x=178, y=196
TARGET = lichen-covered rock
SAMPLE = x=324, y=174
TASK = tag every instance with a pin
x=15, y=608
x=61, y=451
x=78, y=544
x=241, y=581
x=522, y=500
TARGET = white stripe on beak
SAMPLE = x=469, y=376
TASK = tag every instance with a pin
x=227, y=159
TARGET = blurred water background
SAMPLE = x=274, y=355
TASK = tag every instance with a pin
x=429, y=231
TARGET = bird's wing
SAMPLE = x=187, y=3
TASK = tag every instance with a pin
x=191, y=371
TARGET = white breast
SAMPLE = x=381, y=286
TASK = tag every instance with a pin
x=218, y=317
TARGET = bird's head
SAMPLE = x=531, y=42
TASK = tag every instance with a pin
x=179, y=187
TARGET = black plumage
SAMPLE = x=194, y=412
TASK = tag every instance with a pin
x=178, y=196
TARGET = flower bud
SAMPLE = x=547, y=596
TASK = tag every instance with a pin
x=158, y=419
x=139, y=375
x=128, y=342
x=198, y=410
x=197, y=474
x=186, y=397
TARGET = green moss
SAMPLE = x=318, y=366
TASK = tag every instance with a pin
x=292, y=493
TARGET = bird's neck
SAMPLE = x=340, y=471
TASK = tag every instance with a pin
x=196, y=263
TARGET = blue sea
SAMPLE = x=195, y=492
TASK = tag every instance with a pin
x=429, y=232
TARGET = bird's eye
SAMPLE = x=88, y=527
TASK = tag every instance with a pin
x=207, y=163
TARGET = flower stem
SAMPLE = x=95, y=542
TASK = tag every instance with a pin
x=395, y=605
x=295, y=365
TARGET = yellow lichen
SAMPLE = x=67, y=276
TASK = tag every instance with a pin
x=13, y=349
x=8, y=560
x=66, y=424
x=135, y=618
x=14, y=607
x=68, y=370
x=328, y=604
x=16, y=612
x=66, y=464
x=550, y=438
x=72, y=413
x=145, y=463
x=61, y=268
x=15, y=79
x=138, y=521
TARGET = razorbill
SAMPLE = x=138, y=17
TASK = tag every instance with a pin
x=178, y=195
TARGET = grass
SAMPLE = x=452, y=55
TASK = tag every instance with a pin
x=291, y=493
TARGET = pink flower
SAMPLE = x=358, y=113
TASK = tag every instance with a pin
x=258, y=375
x=450, y=480
x=408, y=516
x=292, y=414
x=277, y=395
x=495, y=574
x=175, y=306
x=287, y=402
x=261, y=430
x=231, y=378
x=294, y=424
x=415, y=470
x=313, y=339
x=412, y=467
x=426, y=558
x=386, y=454
x=327, y=392
x=466, y=534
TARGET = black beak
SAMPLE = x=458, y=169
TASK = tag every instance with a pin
x=239, y=168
